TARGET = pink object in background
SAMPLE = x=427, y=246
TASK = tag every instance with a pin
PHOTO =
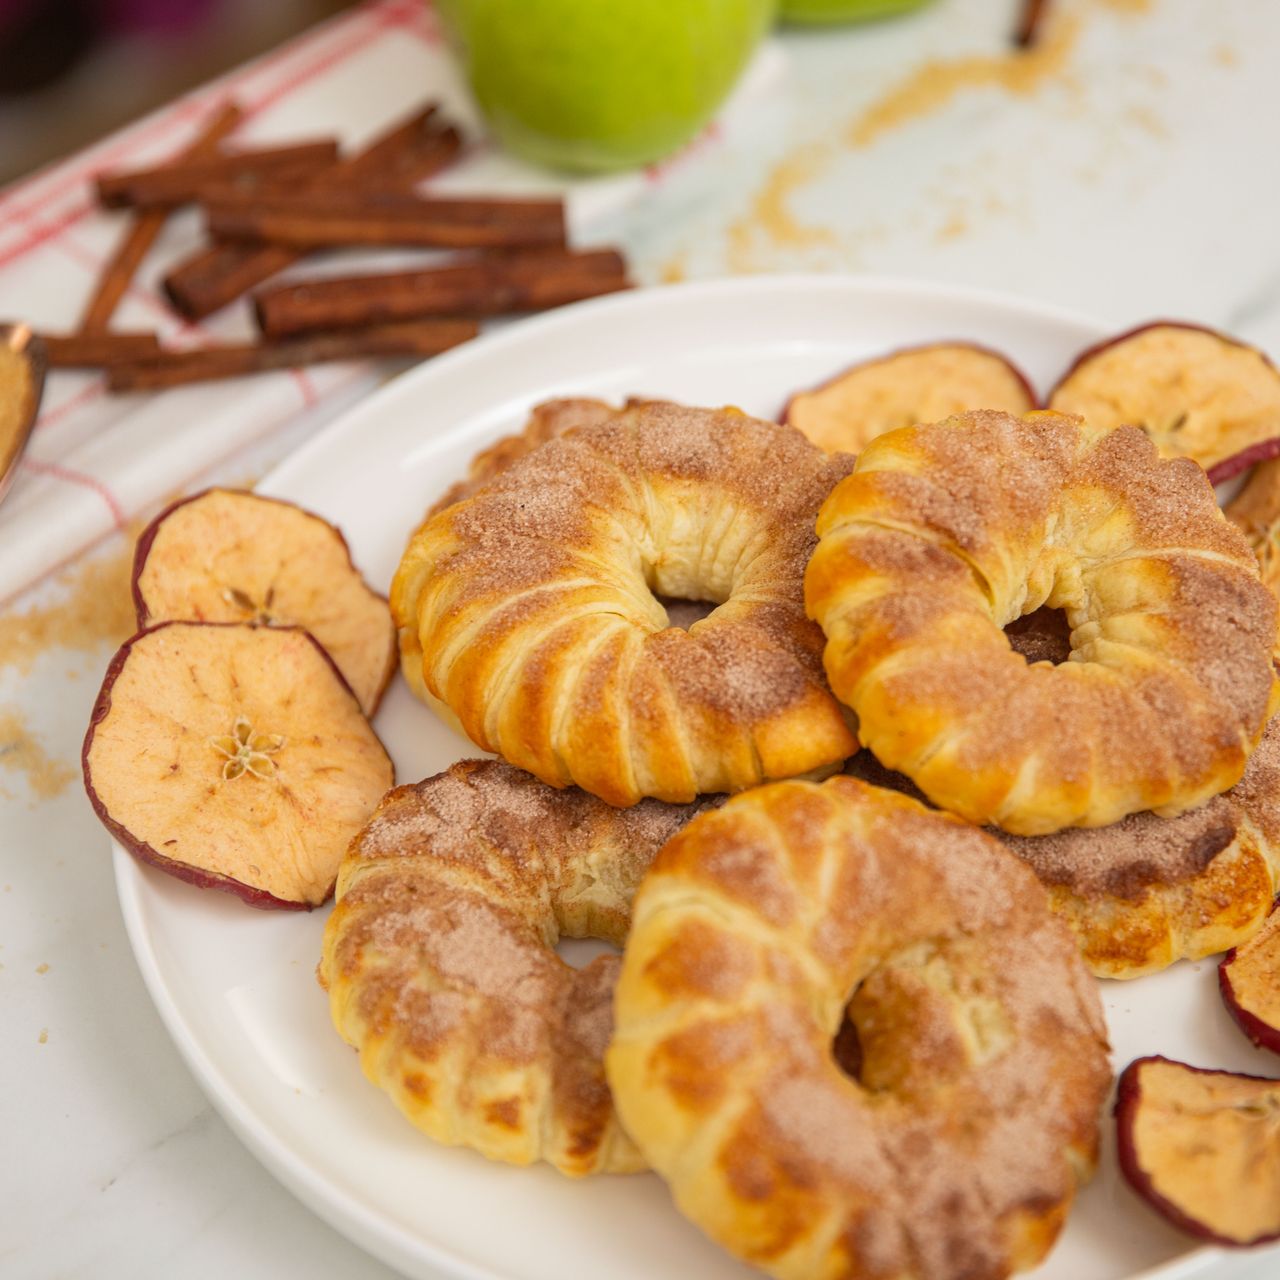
x=155, y=17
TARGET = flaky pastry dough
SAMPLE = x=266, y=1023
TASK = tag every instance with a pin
x=944, y=534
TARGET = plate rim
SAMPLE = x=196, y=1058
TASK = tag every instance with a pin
x=370, y=1230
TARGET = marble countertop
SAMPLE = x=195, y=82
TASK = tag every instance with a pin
x=1124, y=169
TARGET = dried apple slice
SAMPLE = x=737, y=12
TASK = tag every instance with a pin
x=1202, y=1148
x=916, y=384
x=1256, y=509
x=23, y=361
x=225, y=555
x=1197, y=393
x=1249, y=979
x=234, y=757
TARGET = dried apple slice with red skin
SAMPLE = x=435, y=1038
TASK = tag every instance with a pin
x=235, y=758
x=1202, y=1148
x=226, y=555
x=1249, y=980
x=24, y=361
x=1196, y=392
x=916, y=384
x=1256, y=509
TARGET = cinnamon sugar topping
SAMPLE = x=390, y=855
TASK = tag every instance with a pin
x=449, y=904
x=534, y=606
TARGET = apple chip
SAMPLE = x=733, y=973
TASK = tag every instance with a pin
x=1198, y=394
x=230, y=556
x=234, y=757
x=1202, y=1148
x=23, y=361
x=918, y=384
x=1256, y=509
x=1249, y=979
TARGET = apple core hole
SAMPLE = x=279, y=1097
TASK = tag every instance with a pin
x=1043, y=635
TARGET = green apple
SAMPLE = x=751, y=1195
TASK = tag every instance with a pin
x=592, y=85
x=843, y=10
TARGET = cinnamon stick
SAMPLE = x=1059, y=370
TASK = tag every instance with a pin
x=495, y=285
x=384, y=179
x=407, y=153
x=215, y=276
x=97, y=350
x=330, y=219
x=178, y=368
x=178, y=183
x=144, y=229
x=1029, y=23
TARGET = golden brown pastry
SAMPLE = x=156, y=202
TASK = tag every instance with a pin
x=944, y=534
x=440, y=965
x=529, y=609
x=547, y=420
x=957, y=1149
x=1147, y=891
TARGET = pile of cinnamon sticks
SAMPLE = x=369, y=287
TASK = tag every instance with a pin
x=266, y=208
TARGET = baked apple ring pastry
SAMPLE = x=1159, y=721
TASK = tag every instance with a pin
x=529, y=608
x=1147, y=891
x=956, y=1150
x=440, y=965
x=546, y=421
x=946, y=533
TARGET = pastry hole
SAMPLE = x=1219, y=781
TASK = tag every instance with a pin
x=577, y=953
x=1041, y=636
x=684, y=613
x=846, y=1048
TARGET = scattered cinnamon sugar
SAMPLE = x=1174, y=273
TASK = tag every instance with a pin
x=953, y=228
x=771, y=224
x=1023, y=72
x=42, y=968
x=772, y=205
x=22, y=752
x=674, y=270
x=933, y=85
x=1147, y=120
x=770, y=221
x=94, y=610
x=43, y=1037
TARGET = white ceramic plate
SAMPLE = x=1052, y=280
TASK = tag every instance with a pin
x=237, y=989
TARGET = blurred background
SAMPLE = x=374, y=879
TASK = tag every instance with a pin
x=896, y=136
x=72, y=70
